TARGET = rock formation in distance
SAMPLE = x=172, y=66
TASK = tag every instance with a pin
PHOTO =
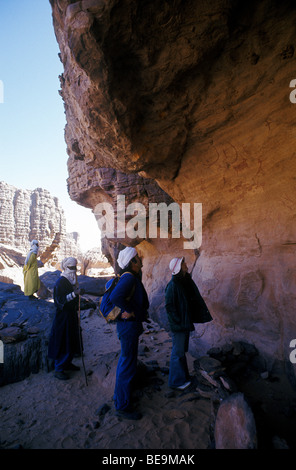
x=27, y=215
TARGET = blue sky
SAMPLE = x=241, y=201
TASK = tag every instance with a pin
x=32, y=120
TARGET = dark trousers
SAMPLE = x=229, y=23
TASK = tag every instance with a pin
x=128, y=334
x=179, y=373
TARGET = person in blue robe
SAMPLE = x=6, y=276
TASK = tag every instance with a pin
x=65, y=340
x=130, y=295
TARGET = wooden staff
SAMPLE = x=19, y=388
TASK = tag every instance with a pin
x=80, y=341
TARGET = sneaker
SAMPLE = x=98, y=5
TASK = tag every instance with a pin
x=61, y=375
x=184, y=386
x=135, y=415
x=72, y=367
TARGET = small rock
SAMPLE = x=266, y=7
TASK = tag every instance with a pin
x=209, y=394
x=12, y=334
x=228, y=384
x=33, y=330
x=264, y=375
x=209, y=364
x=174, y=414
x=209, y=378
x=143, y=349
x=279, y=443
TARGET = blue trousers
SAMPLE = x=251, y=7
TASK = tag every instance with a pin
x=128, y=333
x=179, y=373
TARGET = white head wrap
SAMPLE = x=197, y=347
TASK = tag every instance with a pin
x=125, y=256
x=34, y=249
x=69, y=273
x=175, y=265
x=68, y=262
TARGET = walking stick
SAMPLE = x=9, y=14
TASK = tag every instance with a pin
x=80, y=341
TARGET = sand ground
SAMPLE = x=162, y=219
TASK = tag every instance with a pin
x=42, y=412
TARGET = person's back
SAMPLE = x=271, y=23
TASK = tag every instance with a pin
x=177, y=305
x=130, y=295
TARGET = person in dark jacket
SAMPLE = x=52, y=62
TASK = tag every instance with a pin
x=64, y=341
x=185, y=306
x=129, y=295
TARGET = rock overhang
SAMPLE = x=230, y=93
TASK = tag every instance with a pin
x=194, y=96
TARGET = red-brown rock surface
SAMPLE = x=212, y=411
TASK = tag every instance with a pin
x=195, y=96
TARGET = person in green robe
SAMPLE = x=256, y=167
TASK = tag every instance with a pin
x=30, y=271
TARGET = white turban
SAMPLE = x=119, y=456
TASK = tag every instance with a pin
x=34, y=249
x=68, y=262
x=175, y=265
x=69, y=273
x=125, y=256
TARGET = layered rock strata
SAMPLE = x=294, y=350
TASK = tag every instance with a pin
x=27, y=215
x=195, y=96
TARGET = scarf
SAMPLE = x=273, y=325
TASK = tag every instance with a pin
x=34, y=249
x=67, y=272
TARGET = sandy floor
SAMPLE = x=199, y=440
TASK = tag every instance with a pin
x=42, y=412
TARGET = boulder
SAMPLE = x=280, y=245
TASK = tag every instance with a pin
x=235, y=424
x=12, y=334
x=24, y=335
x=92, y=285
x=26, y=329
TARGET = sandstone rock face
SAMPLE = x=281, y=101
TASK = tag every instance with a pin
x=195, y=96
x=27, y=215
